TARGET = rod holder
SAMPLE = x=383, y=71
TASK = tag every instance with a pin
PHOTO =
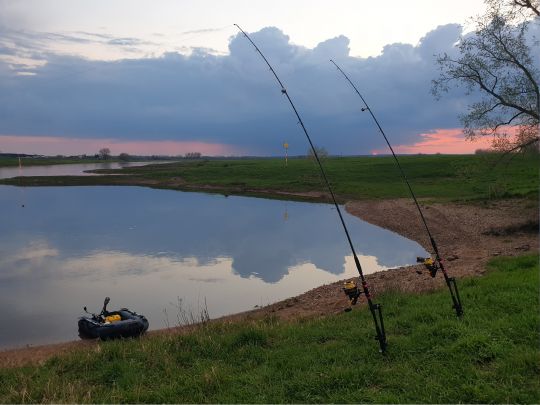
x=376, y=312
x=452, y=285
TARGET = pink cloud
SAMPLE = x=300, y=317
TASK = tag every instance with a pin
x=450, y=140
x=50, y=145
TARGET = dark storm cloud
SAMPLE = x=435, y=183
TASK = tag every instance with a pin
x=233, y=98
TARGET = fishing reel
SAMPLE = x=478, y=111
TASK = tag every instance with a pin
x=351, y=290
x=430, y=264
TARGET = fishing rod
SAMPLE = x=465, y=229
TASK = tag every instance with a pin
x=376, y=309
x=432, y=265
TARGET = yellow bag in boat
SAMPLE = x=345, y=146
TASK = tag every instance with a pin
x=113, y=318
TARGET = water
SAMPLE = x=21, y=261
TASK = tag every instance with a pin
x=72, y=246
x=76, y=169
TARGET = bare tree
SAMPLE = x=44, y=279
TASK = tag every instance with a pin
x=497, y=60
x=104, y=153
x=321, y=152
x=124, y=157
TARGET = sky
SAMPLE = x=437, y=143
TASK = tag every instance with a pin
x=172, y=77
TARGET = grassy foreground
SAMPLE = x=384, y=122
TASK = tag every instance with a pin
x=492, y=355
x=446, y=177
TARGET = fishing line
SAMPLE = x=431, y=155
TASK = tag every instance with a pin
x=432, y=266
x=375, y=309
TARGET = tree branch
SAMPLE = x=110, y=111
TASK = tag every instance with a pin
x=483, y=113
x=522, y=67
x=527, y=4
x=496, y=60
x=478, y=79
x=507, y=122
x=520, y=146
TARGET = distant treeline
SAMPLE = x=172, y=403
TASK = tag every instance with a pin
x=17, y=155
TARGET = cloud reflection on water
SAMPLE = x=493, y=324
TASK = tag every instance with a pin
x=146, y=248
x=50, y=296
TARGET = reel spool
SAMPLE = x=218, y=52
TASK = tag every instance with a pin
x=430, y=265
x=351, y=290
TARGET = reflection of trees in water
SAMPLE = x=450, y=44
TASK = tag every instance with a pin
x=252, y=232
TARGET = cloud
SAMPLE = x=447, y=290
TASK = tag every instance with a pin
x=44, y=45
x=203, y=31
x=233, y=99
x=125, y=41
x=450, y=140
x=332, y=48
x=442, y=38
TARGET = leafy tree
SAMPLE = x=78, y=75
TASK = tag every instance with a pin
x=193, y=155
x=498, y=60
x=104, y=153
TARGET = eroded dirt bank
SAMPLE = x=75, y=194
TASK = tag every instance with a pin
x=467, y=236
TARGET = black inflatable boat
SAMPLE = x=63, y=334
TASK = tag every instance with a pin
x=111, y=325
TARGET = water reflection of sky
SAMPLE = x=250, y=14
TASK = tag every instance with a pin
x=76, y=169
x=70, y=247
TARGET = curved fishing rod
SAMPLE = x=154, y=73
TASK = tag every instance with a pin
x=375, y=309
x=432, y=266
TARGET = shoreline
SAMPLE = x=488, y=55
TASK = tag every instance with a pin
x=468, y=236
x=174, y=183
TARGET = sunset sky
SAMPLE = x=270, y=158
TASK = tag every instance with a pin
x=171, y=77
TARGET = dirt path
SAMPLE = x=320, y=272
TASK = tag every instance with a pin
x=467, y=236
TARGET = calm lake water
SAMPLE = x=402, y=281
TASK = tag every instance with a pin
x=76, y=169
x=146, y=249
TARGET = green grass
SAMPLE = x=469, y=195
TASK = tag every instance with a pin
x=435, y=176
x=442, y=177
x=490, y=356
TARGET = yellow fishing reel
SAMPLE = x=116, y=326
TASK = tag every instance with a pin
x=430, y=264
x=351, y=290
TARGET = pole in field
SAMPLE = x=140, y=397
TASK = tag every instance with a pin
x=20, y=176
x=286, y=146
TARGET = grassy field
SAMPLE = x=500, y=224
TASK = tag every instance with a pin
x=490, y=356
x=367, y=177
x=455, y=177
x=45, y=161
